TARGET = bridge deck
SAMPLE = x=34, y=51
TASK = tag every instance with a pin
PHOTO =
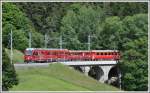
x=90, y=63
x=70, y=63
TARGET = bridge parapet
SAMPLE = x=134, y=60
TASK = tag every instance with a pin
x=89, y=63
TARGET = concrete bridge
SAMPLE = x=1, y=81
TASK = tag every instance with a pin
x=103, y=71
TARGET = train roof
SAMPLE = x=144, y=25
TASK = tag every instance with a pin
x=105, y=51
x=79, y=50
x=45, y=49
x=72, y=50
x=93, y=50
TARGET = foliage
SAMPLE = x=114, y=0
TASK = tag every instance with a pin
x=9, y=76
x=109, y=34
x=37, y=40
x=79, y=22
x=123, y=9
x=18, y=56
x=46, y=17
x=14, y=19
x=135, y=55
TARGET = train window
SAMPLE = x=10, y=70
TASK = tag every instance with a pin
x=114, y=53
x=105, y=53
x=42, y=52
x=35, y=53
x=52, y=53
x=49, y=53
x=109, y=53
x=28, y=52
x=101, y=53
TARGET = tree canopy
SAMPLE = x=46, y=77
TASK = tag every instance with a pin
x=14, y=19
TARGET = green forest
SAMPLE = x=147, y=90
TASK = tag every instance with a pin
x=112, y=25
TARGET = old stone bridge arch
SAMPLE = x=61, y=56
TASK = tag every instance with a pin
x=108, y=74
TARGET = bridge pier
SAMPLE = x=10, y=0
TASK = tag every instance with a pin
x=106, y=70
x=86, y=70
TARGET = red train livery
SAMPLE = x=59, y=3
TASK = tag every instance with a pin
x=55, y=55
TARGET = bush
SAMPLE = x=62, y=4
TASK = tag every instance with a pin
x=9, y=76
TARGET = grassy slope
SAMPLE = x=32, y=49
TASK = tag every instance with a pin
x=17, y=55
x=57, y=77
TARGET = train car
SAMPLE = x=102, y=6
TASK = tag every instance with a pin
x=45, y=55
x=105, y=55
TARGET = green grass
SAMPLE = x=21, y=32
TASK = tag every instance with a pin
x=57, y=77
x=18, y=57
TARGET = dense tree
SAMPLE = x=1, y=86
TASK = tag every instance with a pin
x=45, y=16
x=79, y=22
x=9, y=76
x=37, y=40
x=135, y=56
x=123, y=9
x=14, y=19
x=109, y=34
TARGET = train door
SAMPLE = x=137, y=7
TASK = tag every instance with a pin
x=35, y=56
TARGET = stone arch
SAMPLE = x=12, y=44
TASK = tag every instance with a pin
x=96, y=72
x=78, y=68
x=113, y=76
x=113, y=72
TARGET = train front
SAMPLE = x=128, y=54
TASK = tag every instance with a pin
x=28, y=55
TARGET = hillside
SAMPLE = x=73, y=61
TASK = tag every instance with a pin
x=57, y=77
x=17, y=55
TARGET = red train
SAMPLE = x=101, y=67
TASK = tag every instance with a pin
x=54, y=55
